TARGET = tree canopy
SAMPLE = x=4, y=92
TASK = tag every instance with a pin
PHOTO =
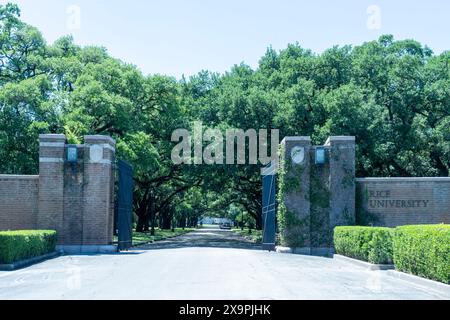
x=394, y=96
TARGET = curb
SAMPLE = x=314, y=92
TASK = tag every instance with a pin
x=87, y=249
x=317, y=252
x=28, y=262
x=364, y=264
x=423, y=282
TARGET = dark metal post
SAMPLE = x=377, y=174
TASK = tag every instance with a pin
x=269, y=210
x=125, y=206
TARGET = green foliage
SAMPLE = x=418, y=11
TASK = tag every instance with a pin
x=420, y=250
x=423, y=251
x=369, y=244
x=381, y=248
x=283, y=216
x=392, y=95
x=140, y=238
x=20, y=245
x=255, y=236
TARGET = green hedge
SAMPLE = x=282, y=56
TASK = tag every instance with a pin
x=20, y=245
x=369, y=244
x=423, y=251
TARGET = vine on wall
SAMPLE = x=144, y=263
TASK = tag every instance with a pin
x=290, y=226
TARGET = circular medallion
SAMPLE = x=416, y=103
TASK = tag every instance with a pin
x=298, y=155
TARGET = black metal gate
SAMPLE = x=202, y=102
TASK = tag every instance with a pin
x=269, y=209
x=125, y=206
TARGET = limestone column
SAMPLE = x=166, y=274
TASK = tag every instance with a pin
x=51, y=182
x=294, y=193
x=98, y=211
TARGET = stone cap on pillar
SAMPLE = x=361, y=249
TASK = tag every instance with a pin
x=61, y=138
x=297, y=139
x=101, y=149
x=340, y=139
x=51, y=148
x=99, y=139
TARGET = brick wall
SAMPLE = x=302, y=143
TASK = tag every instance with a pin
x=75, y=198
x=18, y=202
x=394, y=202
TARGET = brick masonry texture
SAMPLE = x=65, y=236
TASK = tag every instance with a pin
x=393, y=202
x=325, y=197
x=296, y=199
x=18, y=202
x=75, y=199
x=330, y=196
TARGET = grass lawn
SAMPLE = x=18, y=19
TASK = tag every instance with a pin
x=255, y=236
x=143, y=238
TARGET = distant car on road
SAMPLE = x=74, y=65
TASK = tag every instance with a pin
x=225, y=226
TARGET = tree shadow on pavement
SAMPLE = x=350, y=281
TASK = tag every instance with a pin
x=204, y=238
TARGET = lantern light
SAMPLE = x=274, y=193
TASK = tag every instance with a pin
x=320, y=156
x=72, y=154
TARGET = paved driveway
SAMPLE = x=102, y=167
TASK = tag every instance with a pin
x=207, y=264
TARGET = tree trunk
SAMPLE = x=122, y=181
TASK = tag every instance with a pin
x=166, y=222
x=258, y=220
x=443, y=170
x=142, y=213
x=153, y=224
x=147, y=223
x=143, y=223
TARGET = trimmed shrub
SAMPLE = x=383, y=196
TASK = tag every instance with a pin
x=369, y=244
x=20, y=245
x=382, y=247
x=423, y=251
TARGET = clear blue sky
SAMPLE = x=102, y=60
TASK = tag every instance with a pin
x=176, y=37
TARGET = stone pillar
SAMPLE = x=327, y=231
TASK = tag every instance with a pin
x=320, y=203
x=73, y=197
x=294, y=193
x=98, y=206
x=342, y=181
x=51, y=182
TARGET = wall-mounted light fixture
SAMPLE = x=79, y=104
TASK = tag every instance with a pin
x=320, y=156
x=72, y=154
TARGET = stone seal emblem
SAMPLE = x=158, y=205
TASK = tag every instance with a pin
x=96, y=153
x=298, y=155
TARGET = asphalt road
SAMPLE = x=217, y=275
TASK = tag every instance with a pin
x=207, y=264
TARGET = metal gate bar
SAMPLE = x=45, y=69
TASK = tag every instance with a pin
x=269, y=210
x=125, y=206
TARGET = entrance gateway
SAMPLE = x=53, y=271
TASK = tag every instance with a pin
x=316, y=189
x=74, y=195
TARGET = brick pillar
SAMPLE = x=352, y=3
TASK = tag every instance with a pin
x=295, y=188
x=51, y=182
x=73, y=198
x=98, y=215
x=342, y=181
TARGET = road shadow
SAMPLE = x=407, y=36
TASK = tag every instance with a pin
x=204, y=238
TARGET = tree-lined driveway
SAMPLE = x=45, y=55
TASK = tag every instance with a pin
x=208, y=237
x=206, y=264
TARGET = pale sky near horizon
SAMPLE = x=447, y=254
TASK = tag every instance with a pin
x=176, y=37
